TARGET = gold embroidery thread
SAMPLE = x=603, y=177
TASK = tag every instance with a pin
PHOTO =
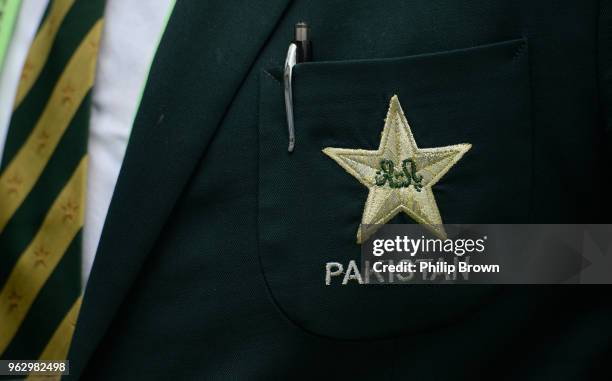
x=399, y=175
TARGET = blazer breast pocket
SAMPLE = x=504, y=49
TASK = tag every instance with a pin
x=310, y=208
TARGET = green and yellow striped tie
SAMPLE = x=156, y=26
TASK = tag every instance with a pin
x=43, y=182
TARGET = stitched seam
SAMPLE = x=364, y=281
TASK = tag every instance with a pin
x=271, y=76
x=520, y=50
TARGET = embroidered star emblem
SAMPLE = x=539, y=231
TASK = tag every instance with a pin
x=68, y=92
x=14, y=299
x=14, y=183
x=70, y=210
x=399, y=175
x=41, y=255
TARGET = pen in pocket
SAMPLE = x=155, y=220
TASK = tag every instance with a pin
x=300, y=50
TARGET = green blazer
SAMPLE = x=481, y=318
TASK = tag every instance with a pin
x=212, y=260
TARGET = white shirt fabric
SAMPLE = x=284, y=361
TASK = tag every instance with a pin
x=132, y=30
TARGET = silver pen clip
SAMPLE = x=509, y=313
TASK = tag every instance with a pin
x=300, y=50
x=287, y=77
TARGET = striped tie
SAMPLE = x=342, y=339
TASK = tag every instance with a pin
x=42, y=184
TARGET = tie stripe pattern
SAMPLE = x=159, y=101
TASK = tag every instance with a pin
x=42, y=184
x=41, y=46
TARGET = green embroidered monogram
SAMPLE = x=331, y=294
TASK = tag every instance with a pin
x=399, y=175
x=399, y=179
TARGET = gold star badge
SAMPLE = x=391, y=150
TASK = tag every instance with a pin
x=399, y=175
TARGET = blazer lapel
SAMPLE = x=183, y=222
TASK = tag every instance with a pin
x=205, y=54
